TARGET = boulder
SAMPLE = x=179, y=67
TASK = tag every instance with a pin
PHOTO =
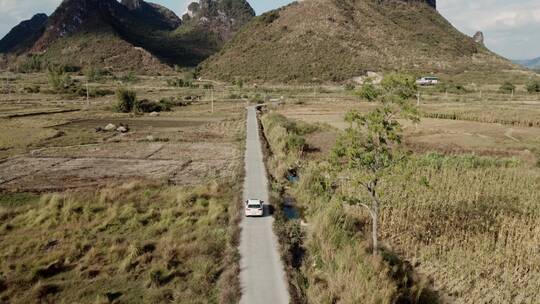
x=110, y=127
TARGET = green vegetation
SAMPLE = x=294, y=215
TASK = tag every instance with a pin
x=336, y=265
x=179, y=83
x=30, y=64
x=125, y=101
x=463, y=214
x=61, y=82
x=95, y=75
x=507, y=87
x=533, y=86
x=369, y=92
x=134, y=242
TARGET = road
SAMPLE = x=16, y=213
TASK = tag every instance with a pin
x=262, y=275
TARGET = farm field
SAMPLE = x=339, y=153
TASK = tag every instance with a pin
x=90, y=215
x=459, y=219
x=151, y=215
x=449, y=136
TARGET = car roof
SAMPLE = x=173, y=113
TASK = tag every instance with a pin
x=254, y=201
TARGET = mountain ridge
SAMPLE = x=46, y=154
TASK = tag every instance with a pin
x=533, y=64
x=338, y=40
x=24, y=34
x=97, y=32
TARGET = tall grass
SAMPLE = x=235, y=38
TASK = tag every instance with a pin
x=138, y=242
x=337, y=266
x=464, y=226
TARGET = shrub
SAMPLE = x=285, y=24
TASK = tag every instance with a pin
x=239, y=83
x=507, y=87
x=295, y=143
x=349, y=86
x=164, y=105
x=60, y=81
x=269, y=17
x=32, y=89
x=125, y=101
x=369, y=92
x=403, y=85
x=93, y=74
x=32, y=63
x=451, y=88
x=178, y=83
x=129, y=78
x=258, y=99
x=533, y=86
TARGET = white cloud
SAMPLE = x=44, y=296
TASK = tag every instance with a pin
x=12, y=12
x=512, y=28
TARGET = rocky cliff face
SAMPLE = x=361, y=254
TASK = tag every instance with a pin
x=72, y=16
x=107, y=32
x=155, y=13
x=24, y=35
x=221, y=17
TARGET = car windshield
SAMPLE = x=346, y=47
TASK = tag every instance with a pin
x=254, y=206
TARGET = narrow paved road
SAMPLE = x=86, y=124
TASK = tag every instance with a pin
x=262, y=274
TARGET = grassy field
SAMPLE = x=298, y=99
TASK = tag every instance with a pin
x=146, y=216
x=150, y=215
x=460, y=219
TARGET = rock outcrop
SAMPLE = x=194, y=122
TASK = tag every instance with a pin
x=155, y=13
x=222, y=17
x=479, y=37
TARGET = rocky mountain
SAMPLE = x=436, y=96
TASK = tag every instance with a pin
x=160, y=16
x=337, y=40
x=122, y=35
x=24, y=35
x=533, y=64
x=223, y=18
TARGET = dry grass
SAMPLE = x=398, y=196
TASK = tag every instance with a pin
x=146, y=243
x=464, y=134
x=337, y=266
x=474, y=230
x=127, y=231
x=465, y=226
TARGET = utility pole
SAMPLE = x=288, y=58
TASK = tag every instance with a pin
x=212, y=98
x=8, y=89
x=512, y=96
x=87, y=95
x=418, y=99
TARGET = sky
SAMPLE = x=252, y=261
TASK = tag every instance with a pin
x=511, y=27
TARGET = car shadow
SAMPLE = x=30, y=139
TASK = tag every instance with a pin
x=268, y=210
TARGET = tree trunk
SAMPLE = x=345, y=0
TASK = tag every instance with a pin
x=375, y=223
x=375, y=217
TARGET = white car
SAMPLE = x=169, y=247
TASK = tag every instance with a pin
x=254, y=208
x=427, y=81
